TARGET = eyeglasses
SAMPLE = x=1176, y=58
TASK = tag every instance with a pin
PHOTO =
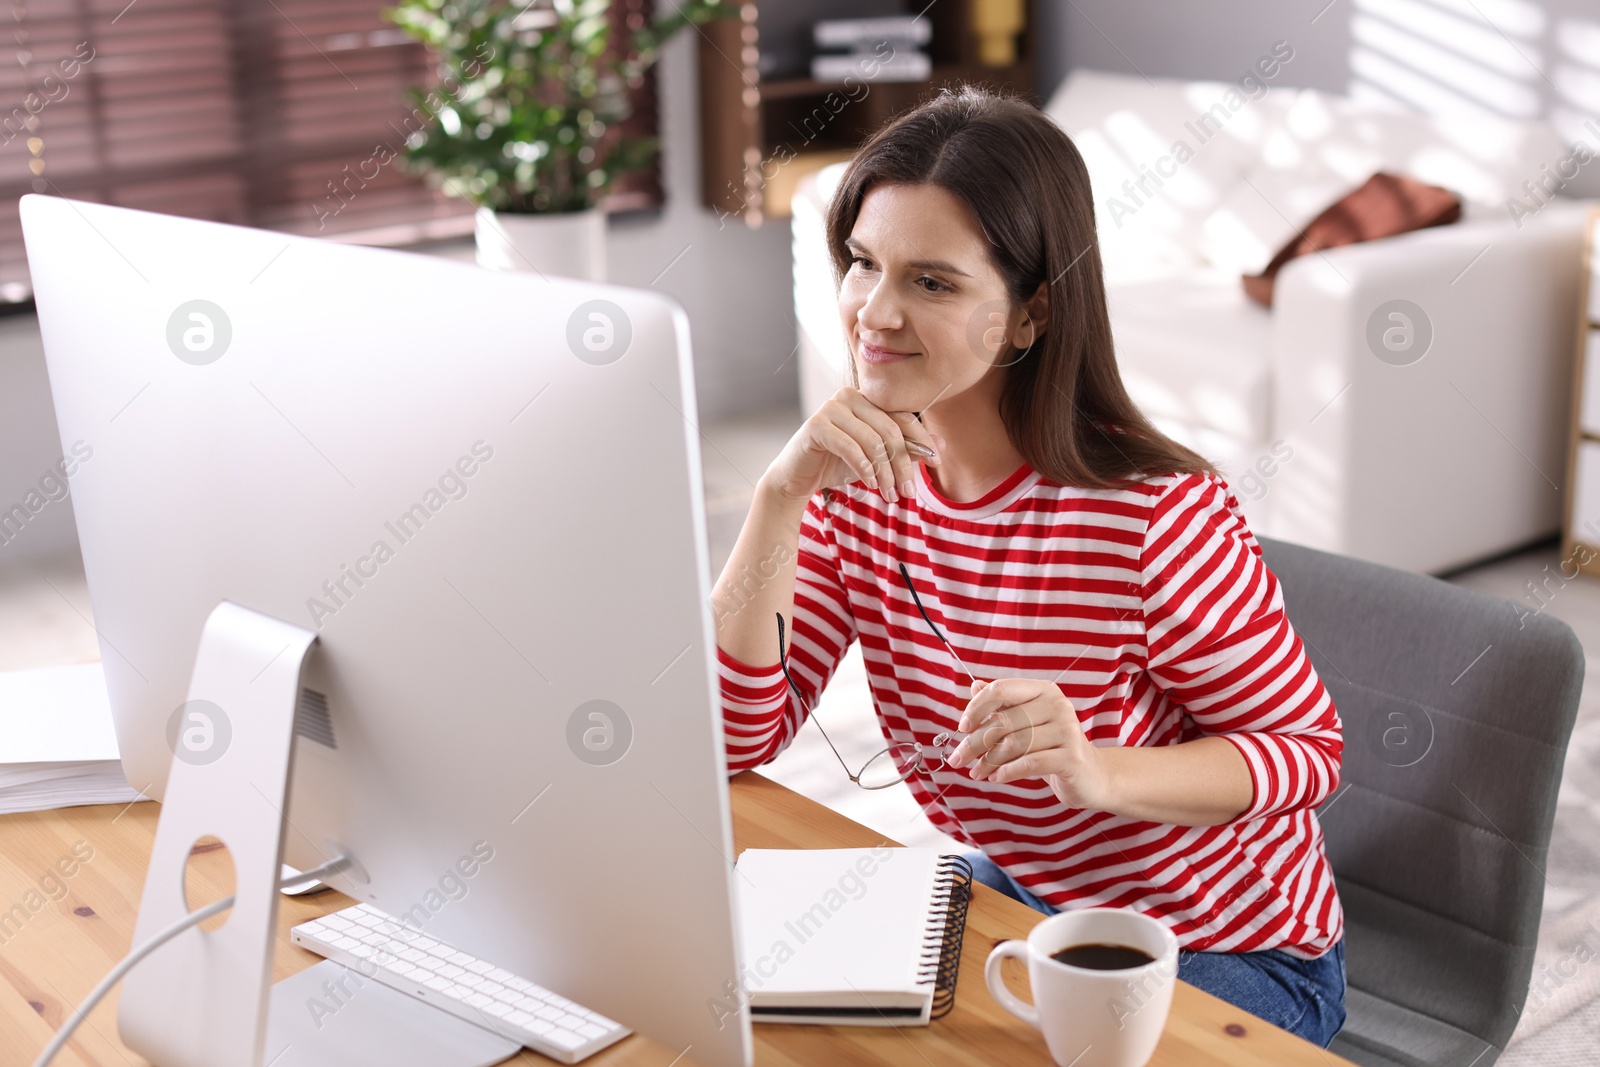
x=902, y=759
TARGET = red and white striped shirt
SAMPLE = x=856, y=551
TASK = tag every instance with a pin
x=1153, y=611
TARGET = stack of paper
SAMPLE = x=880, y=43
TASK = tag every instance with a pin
x=57, y=745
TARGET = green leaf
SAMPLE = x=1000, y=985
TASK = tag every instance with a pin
x=553, y=88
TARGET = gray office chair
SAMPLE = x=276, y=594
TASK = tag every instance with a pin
x=1456, y=716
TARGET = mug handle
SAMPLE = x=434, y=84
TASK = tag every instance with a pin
x=1028, y=1013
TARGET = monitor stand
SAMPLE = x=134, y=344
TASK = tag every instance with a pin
x=204, y=999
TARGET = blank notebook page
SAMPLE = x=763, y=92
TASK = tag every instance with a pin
x=836, y=927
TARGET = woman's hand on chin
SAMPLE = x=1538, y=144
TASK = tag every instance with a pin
x=1027, y=728
x=850, y=438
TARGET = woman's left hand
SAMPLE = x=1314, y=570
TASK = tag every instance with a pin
x=1027, y=728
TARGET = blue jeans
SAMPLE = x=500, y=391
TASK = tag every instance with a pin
x=1304, y=997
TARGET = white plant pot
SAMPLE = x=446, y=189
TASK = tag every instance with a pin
x=568, y=244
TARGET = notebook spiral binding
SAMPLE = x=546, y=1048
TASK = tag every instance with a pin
x=941, y=946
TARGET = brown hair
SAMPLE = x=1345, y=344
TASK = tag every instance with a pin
x=1064, y=404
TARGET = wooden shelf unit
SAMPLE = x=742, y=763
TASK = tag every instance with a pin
x=759, y=137
x=1580, y=524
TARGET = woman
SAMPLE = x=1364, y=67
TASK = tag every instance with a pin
x=1147, y=731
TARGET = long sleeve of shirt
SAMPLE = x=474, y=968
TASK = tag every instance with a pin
x=760, y=714
x=1220, y=643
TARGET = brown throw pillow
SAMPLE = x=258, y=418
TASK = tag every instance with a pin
x=1386, y=205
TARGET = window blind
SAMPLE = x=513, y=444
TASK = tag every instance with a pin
x=282, y=114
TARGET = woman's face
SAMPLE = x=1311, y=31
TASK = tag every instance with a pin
x=923, y=305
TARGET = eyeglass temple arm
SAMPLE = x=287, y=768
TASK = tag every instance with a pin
x=937, y=632
x=801, y=700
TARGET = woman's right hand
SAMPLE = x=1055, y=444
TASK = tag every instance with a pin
x=847, y=438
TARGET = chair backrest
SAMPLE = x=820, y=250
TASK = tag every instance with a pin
x=1456, y=710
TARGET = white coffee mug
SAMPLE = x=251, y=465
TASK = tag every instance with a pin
x=1093, y=1018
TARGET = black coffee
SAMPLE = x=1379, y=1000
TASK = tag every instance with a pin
x=1103, y=957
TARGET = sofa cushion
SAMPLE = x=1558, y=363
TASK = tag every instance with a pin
x=1385, y=205
x=1195, y=354
x=1127, y=129
x=1276, y=161
x=1324, y=147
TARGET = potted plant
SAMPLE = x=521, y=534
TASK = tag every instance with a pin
x=525, y=120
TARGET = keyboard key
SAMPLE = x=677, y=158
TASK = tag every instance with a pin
x=565, y=1038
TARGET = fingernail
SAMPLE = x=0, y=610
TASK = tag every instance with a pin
x=907, y=488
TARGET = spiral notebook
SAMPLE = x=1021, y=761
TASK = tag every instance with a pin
x=858, y=936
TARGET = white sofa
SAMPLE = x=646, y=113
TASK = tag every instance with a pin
x=1427, y=465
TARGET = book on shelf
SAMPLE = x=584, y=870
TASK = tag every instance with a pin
x=900, y=66
x=866, y=33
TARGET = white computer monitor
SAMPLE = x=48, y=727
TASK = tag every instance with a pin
x=482, y=492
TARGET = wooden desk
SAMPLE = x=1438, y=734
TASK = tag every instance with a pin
x=52, y=956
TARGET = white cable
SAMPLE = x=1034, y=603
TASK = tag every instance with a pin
x=137, y=954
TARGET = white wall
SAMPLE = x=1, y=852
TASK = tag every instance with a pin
x=733, y=281
x=1515, y=58
x=29, y=443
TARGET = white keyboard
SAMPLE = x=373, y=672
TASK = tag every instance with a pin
x=463, y=985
